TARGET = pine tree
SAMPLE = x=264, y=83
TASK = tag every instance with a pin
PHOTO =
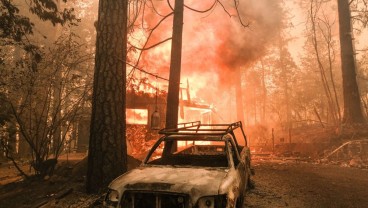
x=107, y=157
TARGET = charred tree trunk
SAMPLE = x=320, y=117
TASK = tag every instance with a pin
x=107, y=157
x=172, y=108
x=239, y=96
x=352, y=108
x=57, y=97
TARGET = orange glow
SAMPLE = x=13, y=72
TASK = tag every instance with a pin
x=214, y=45
x=136, y=116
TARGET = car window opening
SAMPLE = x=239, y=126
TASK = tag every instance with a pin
x=192, y=153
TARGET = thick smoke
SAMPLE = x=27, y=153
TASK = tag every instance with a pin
x=215, y=44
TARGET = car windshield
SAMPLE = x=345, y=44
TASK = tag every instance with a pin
x=205, y=153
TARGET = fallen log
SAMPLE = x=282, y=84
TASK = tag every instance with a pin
x=63, y=193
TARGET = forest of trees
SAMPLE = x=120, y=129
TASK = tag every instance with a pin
x=61, y=60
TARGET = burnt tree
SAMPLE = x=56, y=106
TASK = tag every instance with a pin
x=107, y=157
x=352, y=109
x=175, y=66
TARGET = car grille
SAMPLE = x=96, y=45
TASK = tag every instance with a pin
x=153, y=200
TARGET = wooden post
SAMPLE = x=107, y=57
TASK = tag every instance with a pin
x=273, y=141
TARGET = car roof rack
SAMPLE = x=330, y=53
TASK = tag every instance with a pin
x=196, y=128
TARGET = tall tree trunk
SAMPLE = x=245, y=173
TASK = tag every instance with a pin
x=286, y=85
x=239, y=96
x=172, y=108
x=107, y=157
x=264, y=92
x=56, y=114
x=352, y=108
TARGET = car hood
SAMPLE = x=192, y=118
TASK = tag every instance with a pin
x=188, y=180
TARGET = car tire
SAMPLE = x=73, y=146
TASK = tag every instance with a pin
x=240, y=201
x=249, y=182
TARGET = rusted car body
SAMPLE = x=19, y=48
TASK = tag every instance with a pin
x=194, y=165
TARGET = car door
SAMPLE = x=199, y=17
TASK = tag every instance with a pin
x=239, y=165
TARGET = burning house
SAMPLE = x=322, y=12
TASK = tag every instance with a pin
x=143, y=99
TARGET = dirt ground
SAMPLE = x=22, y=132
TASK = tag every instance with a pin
x=66, y=183
x=278, y=183
x=66, y=188
x=291, y=183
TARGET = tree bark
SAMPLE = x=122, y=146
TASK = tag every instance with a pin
x=172, y=108
x=352, y=108
x=107, y=157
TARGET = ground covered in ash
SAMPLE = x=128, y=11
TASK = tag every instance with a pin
x=292, y=183
x=66, y=188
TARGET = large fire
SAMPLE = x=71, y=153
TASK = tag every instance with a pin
x=215, y=45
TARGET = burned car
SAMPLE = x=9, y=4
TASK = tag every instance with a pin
x=194, y=165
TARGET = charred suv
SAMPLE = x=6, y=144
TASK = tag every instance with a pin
x=194, y=165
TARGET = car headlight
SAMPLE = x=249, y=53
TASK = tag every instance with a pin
x=218, y=201
x=112, y=198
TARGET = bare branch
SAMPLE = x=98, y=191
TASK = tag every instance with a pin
x=142, y=70
x=224, y=8
x=134, y=14
x=151, y=30
x=142, y=21
x=238, y=13
x=158, y=24
x=7, y=155
x=155, y=10
x=202, y=11
x=171, y=7
x=149, y=35
x=152, y=46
